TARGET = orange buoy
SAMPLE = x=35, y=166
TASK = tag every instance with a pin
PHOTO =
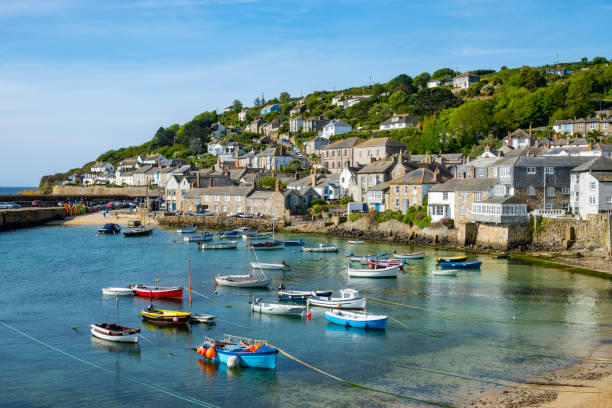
x=211, y=353
x=339, y=305
x=199, y=350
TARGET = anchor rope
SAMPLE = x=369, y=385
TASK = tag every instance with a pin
x=190, y=400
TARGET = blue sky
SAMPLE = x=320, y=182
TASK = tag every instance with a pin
x=79, y=77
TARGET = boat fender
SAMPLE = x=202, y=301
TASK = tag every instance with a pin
x=308, y=315
x=339, y=306
x=211, y=353
x=232, y=362
x=199, y=350
x=175, y=319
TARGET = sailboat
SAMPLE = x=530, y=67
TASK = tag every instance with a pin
x=244, y=281
x=197, y=317
x=114, y=332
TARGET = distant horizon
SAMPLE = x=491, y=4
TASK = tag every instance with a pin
x=79, y=79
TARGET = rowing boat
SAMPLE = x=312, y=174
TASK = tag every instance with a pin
x=416, y=255
x=389, y=272
x=356, y=319
x=114, y=332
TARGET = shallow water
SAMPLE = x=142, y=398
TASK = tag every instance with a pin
x=508, y=321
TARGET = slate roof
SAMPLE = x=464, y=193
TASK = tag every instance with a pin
x=380, y=166
x=503, y=200
x=233, y=190
x=475, y=184
x=597, y=164
x=402, y=118
x=560, y=161
x=381, y=141
x=447, y=186
x=261, y=194
x=271, y=152
x=381, y=187
x=604, y=177
x=418, y=176
x=343, y=144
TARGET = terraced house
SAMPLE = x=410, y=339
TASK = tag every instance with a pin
x=338, y=155
x=221, y=200
x=377, y=148
x=411, y=189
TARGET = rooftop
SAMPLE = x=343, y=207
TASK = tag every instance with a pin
x=381, y=141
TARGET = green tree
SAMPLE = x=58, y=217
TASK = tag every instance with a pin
x=237, y=105
x=401, y=82
x=284, y=97
x=599, y=60
x=531, y=78
x=444, y=75
x=471, y=121
x=421, y=80
x=268, y=182
x=294, y=166
x=196, y=146
x=398, y=99
x=430, y=101
x=579, y=95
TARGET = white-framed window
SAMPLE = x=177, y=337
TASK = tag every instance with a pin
x=565, y=190
x=549, y=170
x=397, y=203
x=405, y=189
x=494, y=171
x=549, y=206
x=604, y=125
x=465, y=196
x=463, y=210
x=438, y=210
x=206, y=197
x=575, y=178
x=227, y=197
x=414, y=189
x=592, y=186
x=482, y=172
x=238, y=198
x=591, y=200
x=592, y=126
x=609, y=200
x=580, y=126
x=479, y=196
x=239, y=209
x=531, y=191
x=224, y=208
x=550, y=191
x=396, y=189
x=445, y=195
x=531, y=170
x=217, y=198
x=576, y=196
x=565, y=207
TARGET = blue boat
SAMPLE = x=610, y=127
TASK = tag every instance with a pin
x=249, y=352
x=230, y=234
x=461, y=265
x=186, y=230
x=110, y=228
x=299, y=242
x=360, y=320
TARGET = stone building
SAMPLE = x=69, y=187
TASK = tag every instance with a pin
x=591, y=187
x=468, y=192
x=373, y=174
x=411, y=189
x=378, y=148
x=338, y=155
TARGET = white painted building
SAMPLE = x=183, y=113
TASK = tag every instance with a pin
x=399, y=122
x=591, y=187
x=441, y=200
x=335, y=127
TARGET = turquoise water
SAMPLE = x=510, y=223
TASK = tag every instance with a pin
x=508, y=321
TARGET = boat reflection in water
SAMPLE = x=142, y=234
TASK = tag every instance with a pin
x=131, y=349
x=182, y=329
x=336, y=331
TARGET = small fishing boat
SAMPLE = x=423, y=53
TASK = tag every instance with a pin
x=268, y=245
x=385, y=263
x=239, y=351
x=322, y=248
x=275, y=308
x=461, y=265
x=244, y=281
x=445, y=272
x=110, y=228
x=117, y=291
x=349, y=299
x=389, y=272
x=356, y=242
x=161, y=316
x=416, y=255
x=356, y=319
x=247, y=231
x=205, y=236
x=114, y=332
x=202, y=318
x=219, y=245
x=257, y=235
x=272, y=266
x=230, y=234
x=299, y=242
x=460, y=258
x=187, y=230
x=300, y=295
x=366, y=258
x=157, y=292
x=138, y=232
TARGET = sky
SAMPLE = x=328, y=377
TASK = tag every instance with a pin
x=80, y=77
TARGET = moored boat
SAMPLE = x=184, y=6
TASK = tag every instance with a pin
x=257, y=235
x=138, y=232
x=461, y=265
x=385, y=263
x=244, y=281
x=205, y=236
x=321, y=248
x=356, y=242
x=364, y=259
x=110, y=228
x=239, y=351
x=416, y=255
x=230, y=234
x=275, y=308
x=114, y=332
x=186, y=230
x=219, y=245
x=299, y=242
x=202, y=318
x=166, y=317
x=445, y=272
x=268, y=245
x=272, y=266
x=349, y=299
x=389, y=272
x=356, y=319
x=300, y=295
x=157, y=292
x=459, y=258
x=117, y=291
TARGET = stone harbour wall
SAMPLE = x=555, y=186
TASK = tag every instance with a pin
x=220, y=222
x=503, y=236
x=29, y=217
x=565, y=233
x=102, y=190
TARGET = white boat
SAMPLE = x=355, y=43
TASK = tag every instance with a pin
x=322, y=248
x=219, y=245
x=257, y=235
x=186, y=230
x=445, y=272
x=366, y=258
x=113, y=332
x=117, y=291
x=276, y=308
x=205, y=236
x=349, y=299
x=202, y=318
x=355, y=242
x=273, y=266
x=244, y=281
x=416, y=255
x=389, y=272
x=247, y=231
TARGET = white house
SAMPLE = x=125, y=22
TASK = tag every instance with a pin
x=352, y=100
x=591, y=187
x=434, y=83
x=152, y=159
x=295, y=124
x=100, y=173
x=465, y=80
x=441, y=200
x=335, y=127
x=242, y=115
x=348, y=178
x=399, y=122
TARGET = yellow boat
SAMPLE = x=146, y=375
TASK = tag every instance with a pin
x=451, y=258
x=160, y=316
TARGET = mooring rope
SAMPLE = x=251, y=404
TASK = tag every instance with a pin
x=352, y=384
x=190, y=400
x=204, y=296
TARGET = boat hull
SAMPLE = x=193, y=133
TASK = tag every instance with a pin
x=390, y=272
x=202, y=318
x=299, y=242
x=321, y=249
x=166, y=317
x=272, y=266
x=198, y=238
x=128, y=335
x=117, y=292
x=219, y=245
x=360, y=321
x=418, y=255
x=300, y=296
x=461, y=265
x=445, y=272
x=267, y=246
x=278, y=309
x=337, y=303
x=241, y=281
x=246, y=359
x=451, y=258
x=158, y=293
x=186, y=230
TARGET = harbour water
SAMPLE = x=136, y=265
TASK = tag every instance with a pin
x=14, y=190
x=508, y=321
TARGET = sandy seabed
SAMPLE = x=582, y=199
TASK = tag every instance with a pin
x=118, y=217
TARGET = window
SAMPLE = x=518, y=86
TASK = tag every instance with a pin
x=592, y=186
x=397, y=203
x=591, y=200
x=438, y=210
x=227, y=197
x=576, y=196
x=549, y=206
x=531, y=190
x=565, y=207
x=414, y=189
x=238, y=198
x=224, y=208
x=592, y=126
x=463, y=210
x=504, y=172
x=580, y=126
x=549, y=170
x=531, y=170
x=494, y=171
x=405, y=189
x=478, y=196
x=565, y=190
x=550, y=191
x=609, y=200
x=575, y=178
x=396, y=189
x=482, y=172
x=239, y=209
x=216, y=197
x=445, y=196
x=465, y=196
x=206, y=197
x=604, y=125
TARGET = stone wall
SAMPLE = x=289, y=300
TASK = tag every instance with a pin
x=503, y=236
x=220, y=222
x=102, y=190
x=563, y=233
x=29, y=217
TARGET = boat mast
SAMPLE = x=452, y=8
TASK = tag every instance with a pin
x=189, y=268
x=250, y=264
x=116, y=309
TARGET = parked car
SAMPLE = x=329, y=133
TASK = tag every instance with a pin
x=245, y=215
x=7, y=205
x=37, y=203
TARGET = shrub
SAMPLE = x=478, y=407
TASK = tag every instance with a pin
x=346, y=200
x=355, y=216
x=317, y=201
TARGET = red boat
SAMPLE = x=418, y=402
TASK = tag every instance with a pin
x=384, y=263
x=158, y=292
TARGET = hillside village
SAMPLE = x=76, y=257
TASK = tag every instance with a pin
x=373, y=146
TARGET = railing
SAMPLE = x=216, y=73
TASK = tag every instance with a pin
x=549, y=213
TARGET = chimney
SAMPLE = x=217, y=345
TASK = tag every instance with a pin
x=437, y=175
x=487, y=149
x=210, y=179
x=456, y=171
x=530, y=132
